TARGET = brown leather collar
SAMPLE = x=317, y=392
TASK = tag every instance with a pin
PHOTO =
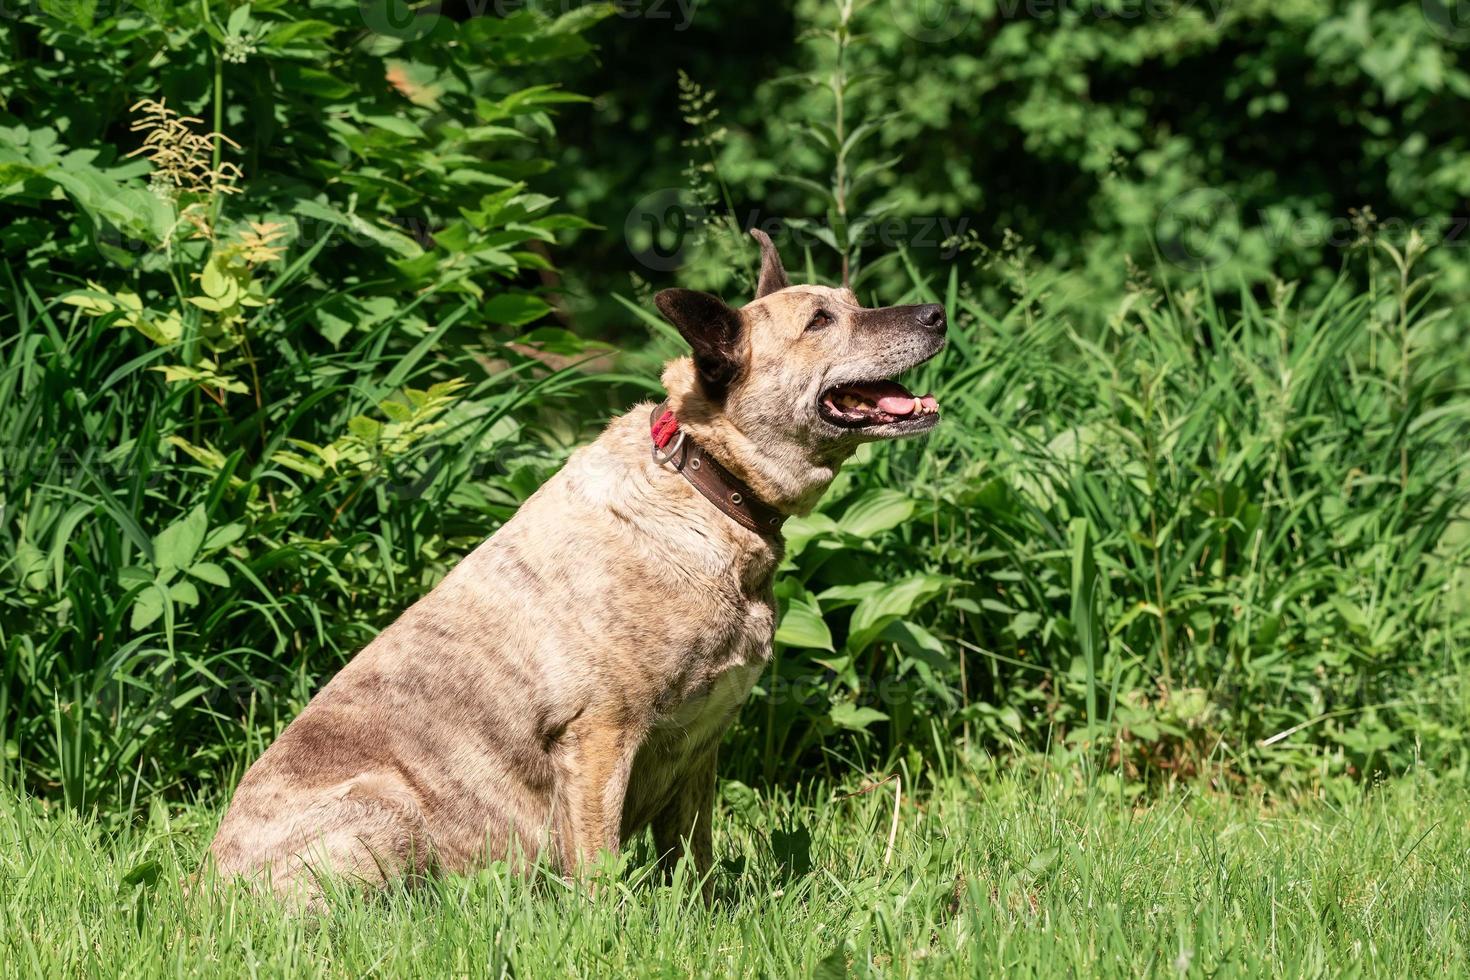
x=672, y=446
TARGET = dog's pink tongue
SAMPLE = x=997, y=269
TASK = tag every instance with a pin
x=907, y=405
x=898, y=405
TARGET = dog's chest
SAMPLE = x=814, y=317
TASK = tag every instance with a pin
x=716, y=682
x=710, y=691
x=687, y=731
x=699, y=720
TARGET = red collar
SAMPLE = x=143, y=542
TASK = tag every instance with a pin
x=672, y=446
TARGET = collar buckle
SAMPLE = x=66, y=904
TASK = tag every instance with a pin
x=663, y=456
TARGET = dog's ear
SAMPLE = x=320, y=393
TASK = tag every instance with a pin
x=712, y=329
x=773, y=273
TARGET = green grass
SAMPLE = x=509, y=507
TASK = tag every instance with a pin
x=1035, y=871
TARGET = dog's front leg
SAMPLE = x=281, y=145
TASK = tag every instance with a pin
x=687, y=817
x=594, y=760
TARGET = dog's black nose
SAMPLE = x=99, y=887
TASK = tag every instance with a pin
x=931, y=317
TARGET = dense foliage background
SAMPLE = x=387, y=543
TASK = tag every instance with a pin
x=1235, y=138
x=1197, y=511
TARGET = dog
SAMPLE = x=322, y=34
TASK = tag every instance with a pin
x=567, y=684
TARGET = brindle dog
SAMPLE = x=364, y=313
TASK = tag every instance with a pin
x=567, y=684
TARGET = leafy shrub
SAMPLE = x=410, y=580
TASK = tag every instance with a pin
x=400, y=151
x=1203, y=543
x=257, y=388
x=182, y=572
x=1233, y=140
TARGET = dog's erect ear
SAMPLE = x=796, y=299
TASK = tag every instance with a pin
x=712, y=329
x=773, y=273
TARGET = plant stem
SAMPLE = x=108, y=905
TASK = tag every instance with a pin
x=1404, y=360
x=775, y=672
x=1150, y=451
x=219, y=122
x=839, y=177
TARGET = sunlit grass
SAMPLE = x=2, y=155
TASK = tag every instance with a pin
x=1036, y=870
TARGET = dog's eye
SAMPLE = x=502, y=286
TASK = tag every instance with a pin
x=820, y=319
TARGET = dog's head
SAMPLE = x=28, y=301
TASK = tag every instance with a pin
x=802, y=371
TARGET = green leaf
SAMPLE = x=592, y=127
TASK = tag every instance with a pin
x=176, y=545
x=845, y=714
x=1085, y=618
x=579, y=19
x=208, y=571
x=367, y=430
x=31, y=565
x=799, y=532
x=147, y=607
x=846, y=595
x=184, y=592
x=300, y=30
x=223, y=536
x=876, y=511
x=899, y=599
x=515, y=309
x=213, y=281
x=300, y=80
x=802, y=625
x=395, y=241
x=210, y=303
x=396, y=125
x=133, y=575
x=332, y=327
x=204, y=455
x=299, y=463
x=1023, y=624
x=144, y=874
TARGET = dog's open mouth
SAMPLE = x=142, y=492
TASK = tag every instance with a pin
x=862, y=404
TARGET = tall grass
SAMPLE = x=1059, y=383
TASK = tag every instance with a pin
x=173, y=588
x=1208, y=541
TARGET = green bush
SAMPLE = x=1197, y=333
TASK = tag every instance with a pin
x=1195, y=506
x=402, y=149
x=1204, y=543
x=1236, y=141
x=257, y=390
